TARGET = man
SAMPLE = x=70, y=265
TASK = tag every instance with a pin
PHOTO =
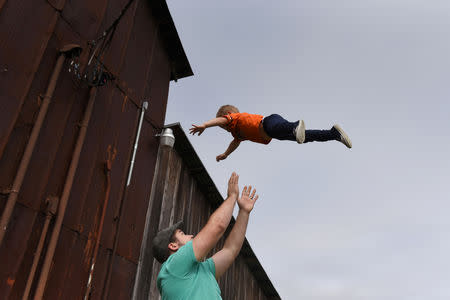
x=185, y=274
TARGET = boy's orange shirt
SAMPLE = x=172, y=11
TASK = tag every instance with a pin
x=245, y=126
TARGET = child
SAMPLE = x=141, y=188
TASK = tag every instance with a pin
x=259, y=129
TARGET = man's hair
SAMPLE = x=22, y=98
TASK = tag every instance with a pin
x=224, y=109
x=173, y=238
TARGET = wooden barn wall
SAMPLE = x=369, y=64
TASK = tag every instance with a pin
x=31, y=32
x=182, y=199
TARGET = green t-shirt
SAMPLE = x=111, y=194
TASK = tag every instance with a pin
x=183, y=277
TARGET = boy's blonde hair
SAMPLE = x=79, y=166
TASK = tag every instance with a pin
x=224, y=109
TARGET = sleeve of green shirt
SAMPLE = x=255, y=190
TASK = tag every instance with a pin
x=211, y=266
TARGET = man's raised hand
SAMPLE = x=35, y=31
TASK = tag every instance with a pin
x=233, y=185
x=247, y=199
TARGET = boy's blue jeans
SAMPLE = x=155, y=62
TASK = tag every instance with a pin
x=279, y=128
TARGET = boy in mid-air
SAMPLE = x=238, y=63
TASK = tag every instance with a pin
x=260, y=129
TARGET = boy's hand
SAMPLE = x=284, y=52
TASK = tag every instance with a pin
x=248, y=199
x=233, y=185
x=197, y=129
x=221, y=157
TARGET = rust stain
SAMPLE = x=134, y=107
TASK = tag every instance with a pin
x=10, y=281
x=39, y=99
x=112, y=152
x=92, y=236
x=125, y=99
x=89, y=248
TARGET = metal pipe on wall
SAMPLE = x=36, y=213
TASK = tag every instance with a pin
x=52, y=206
x=65, y=52
x=65, y=197
x=124, y=196
x=144, y=107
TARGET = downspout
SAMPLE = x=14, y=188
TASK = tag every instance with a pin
x=66, y=51
x=65, y=197
x=52, y=206
x=124, y=196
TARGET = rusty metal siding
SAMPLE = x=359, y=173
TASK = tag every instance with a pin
x=30, y=35
x=157, y=86
x=184, y=191
x=67, y=282
x=20, y=60
x=22, y=221
x=139, y=51
x=85, y=17
x=114, y=59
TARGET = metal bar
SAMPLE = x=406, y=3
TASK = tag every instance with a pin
x=65, y=197
x=144, y=107
x=52, y=206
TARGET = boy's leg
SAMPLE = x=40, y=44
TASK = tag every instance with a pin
x=278, y=128
x=336, y=133
x=315, y=135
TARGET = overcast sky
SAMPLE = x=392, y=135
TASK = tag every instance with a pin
x=331, y=223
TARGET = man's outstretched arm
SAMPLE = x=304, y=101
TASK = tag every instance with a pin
x=233, y=244
x=207, y=238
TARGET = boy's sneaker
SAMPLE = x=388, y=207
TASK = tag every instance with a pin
x=300, y=132
x=343, y=137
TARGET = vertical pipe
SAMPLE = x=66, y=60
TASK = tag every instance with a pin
x=65, y=197
x=52, y=205
x=23, y=166
x=124, y=196
x=144, y=107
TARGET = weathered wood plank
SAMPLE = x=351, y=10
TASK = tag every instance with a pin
x=170, y=191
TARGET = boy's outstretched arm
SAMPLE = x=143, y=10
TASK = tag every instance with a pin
x=211, y=123
x=233, y=145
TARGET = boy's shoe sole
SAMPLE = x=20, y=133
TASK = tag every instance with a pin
x=300, y=132
x=344, y=139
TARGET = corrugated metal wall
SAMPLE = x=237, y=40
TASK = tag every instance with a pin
x=31, y=32
x=188, y=194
